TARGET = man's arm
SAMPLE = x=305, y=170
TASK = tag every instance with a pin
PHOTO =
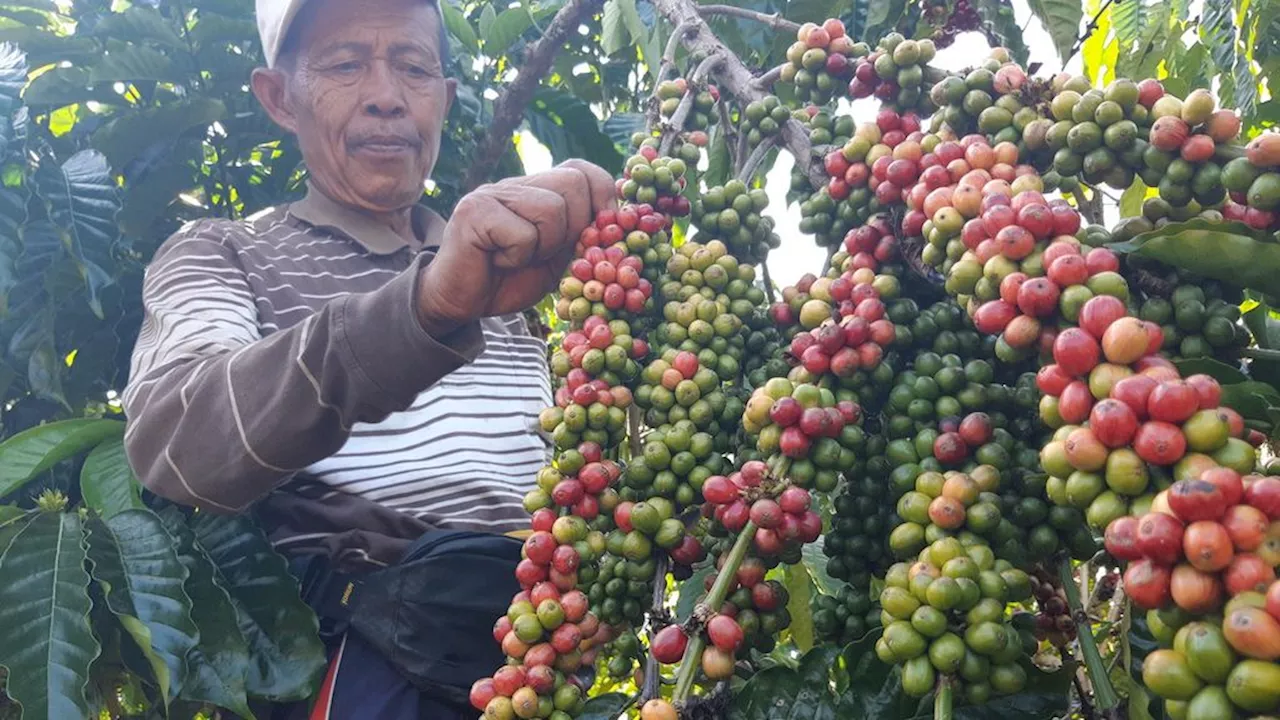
x=219, y=415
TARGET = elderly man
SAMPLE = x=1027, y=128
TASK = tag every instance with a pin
x=353, y=368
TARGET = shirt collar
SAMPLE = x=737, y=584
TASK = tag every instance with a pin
x=319, y=210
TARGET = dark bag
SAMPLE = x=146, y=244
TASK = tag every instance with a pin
x=431, y=615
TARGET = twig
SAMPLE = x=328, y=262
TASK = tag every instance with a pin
x=752, y=162
x=768, y=282
x=676, y=122
x=1104, y=695
x=773, y=20
x=1088, y=31
x=652, y=675
x=508, y=109
x=942, y=701
x=692, y=659
x=736, y=78
x=766, y=81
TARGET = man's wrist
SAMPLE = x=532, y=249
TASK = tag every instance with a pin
x=434, y=323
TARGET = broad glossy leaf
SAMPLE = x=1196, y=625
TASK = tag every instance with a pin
x=13, y=75
x=1265, y=329
x=1226, y=251
x=505, y=29
x=604, y=707
x=135, y=563
x=13, y=212
x=34, y=451
x=1251, y=399
x=1217, y=369
x=719, y=163
x=1005, y=24
x=799, y=589
x=815, y=561
x=881, y=16
x=1131, y=199
x=218, y=664
x=287, y=656
x=621, y=126
x=82, y=199
x=691, y=590
x=487, y=16
x=58, y=86
x=568, y=127
x=138, y=23
x=875, y=689
x=613, y=33
x=456, y=23
x=47, y=643
x=107, y=482
x=133, y=63
x=632, y=22
x=1061, y=18
x=1126, y=21
x=783, y=693
x=44, y=47
x=131, y=133
x=1218, y=32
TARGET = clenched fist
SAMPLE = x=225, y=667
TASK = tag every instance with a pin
x=507, y=244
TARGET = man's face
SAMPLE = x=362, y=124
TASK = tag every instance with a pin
x=367, y=98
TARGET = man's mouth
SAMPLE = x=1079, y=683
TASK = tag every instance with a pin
x=385, y=144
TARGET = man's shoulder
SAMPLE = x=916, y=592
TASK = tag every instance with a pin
x=231, y=234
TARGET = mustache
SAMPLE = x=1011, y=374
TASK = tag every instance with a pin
x=383, y=137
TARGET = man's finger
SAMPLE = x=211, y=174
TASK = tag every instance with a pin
x=572, y=186
x=600, y=184
x=546, y=211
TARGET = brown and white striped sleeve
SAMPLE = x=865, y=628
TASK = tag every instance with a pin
x=220, y=415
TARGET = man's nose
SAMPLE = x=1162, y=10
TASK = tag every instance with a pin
x=383, y=96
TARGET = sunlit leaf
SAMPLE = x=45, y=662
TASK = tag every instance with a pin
x=138, y=23
x=508, y=26
x=1061, y=18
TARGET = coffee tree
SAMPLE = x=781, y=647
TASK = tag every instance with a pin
x=1041, y=493
x=1000, y=456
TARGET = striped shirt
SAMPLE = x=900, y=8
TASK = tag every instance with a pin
x=281, y=367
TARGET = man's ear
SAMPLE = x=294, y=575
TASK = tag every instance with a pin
x=451, y=94
x=270, y=86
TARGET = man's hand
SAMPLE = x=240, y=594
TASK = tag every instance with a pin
x=508, y=244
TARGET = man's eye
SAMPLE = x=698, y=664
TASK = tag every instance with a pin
x=346, y=67
x=416, y=71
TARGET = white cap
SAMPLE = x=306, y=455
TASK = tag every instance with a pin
x=274, y=19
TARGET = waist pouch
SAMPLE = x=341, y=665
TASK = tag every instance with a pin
x=431, y=615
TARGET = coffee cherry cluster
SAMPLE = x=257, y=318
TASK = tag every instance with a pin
x=895, y=73
x=763, y=119
x=1253, y=182
x=820, y=61
x=780, y=517
x=659, y=181
x=846, y=616
x=962, y=18
x=600, y=349
x=547, y=628
x=945, y=613
x=856, y=544
x=676, y=388
x=670, y=93
x=735, y=216
x=944, y=504
x=707, y=299
x=987, y=96
x=804, y=422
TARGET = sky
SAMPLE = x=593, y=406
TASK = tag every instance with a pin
x=799, y=254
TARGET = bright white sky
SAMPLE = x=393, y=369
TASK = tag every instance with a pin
x=798, y=253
